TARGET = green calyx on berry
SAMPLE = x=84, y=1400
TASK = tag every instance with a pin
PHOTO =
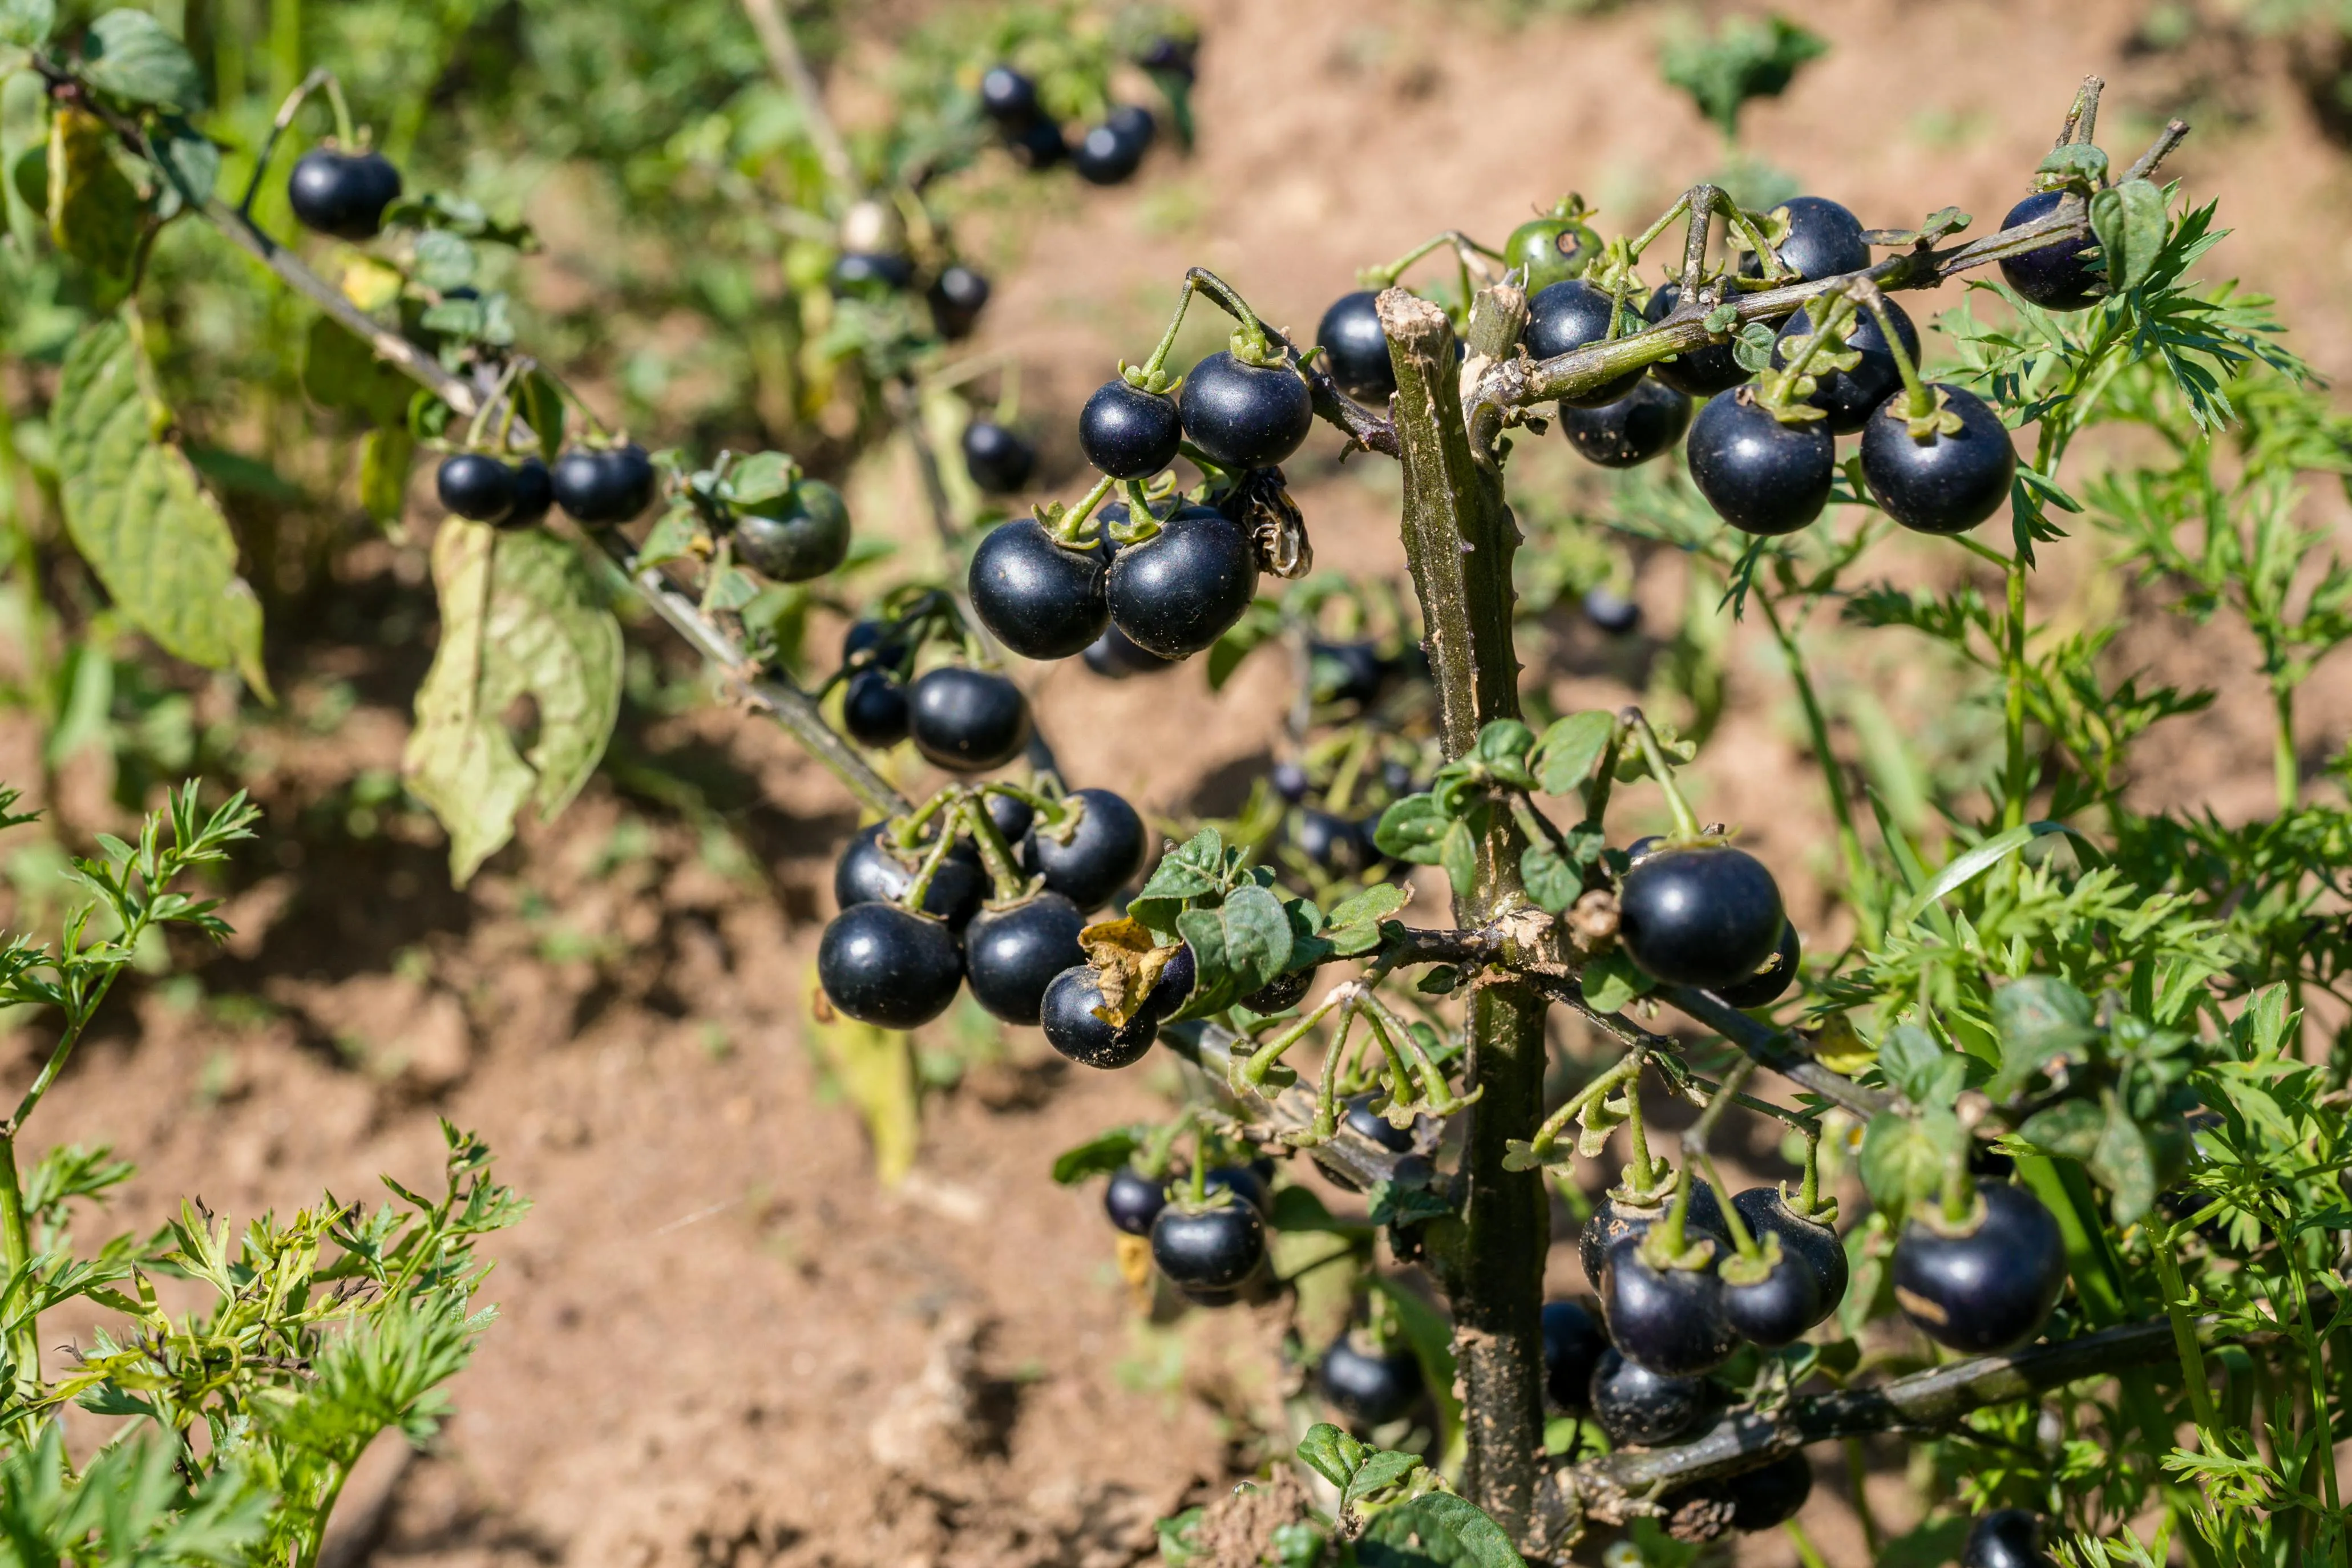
x=1148, y=378
x=2077, y=167
x=1929, y=413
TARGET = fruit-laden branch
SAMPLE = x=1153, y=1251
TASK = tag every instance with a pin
x=1348, y=1153
x=1614, y=1487
x=745, y=681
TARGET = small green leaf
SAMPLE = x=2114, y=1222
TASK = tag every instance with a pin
x=191, y=159
x=444, y=262
x=1569, y=748
x=2038, y=1019
x=1975, y=863
x=128, y=54
x=1458, y=853
x=1258, y=937
x=1369, y=908
x=1410, y=829
x=1381, y=1468
x=2129, y=220
x=761, y=477
x=1550, y=880
x=674, y=536
x=384, y=458
x=541, y=403
x=1099, y=1156
x=2070, y=1129
x=1330, y=1453
x=25, y=24
x=1924, y=1072
x=94, y=211
x=2076, y=162
x=1904, y=1158
x=1503, y=745
x=1610, y=983
x=2124, y=1165
x=1752, y=349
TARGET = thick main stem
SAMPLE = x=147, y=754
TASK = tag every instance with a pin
x=1459, y=537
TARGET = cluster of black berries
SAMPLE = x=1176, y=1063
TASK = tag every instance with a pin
x=1337, y=842
x=955, y=294
x=961, y=719
x=884, y=962
x=1212, y=1251
x=1104, y=154
x=601, y=486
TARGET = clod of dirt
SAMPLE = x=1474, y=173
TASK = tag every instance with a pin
x=936, y=1418
x=1237, y=1529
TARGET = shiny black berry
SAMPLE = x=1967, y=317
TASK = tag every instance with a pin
x=1669, y=1320
x=887, y=966
x=1245, y=416
x=955, y=297
x=1850, y=396
x=1573, y=1344
x=795, y=536
x=1638, y=427
x=1611, y=612
x=1007, y=97
x=1613, y=1220
x=2058, y=276
x=1330, y=842
x=342, y=194
x=871, y=872
x=1947, y=483
x=874, y=709
x=1115, y=656
x=1989, y=1288
x=998, y=461
x=1291, y=782
x=1128, y=433
x=1249, y=1183
x=1041, y=599
x=1074, y=1029
x=2005, y=1538
x=869, y=274
x=1346, y=671
x=1636, y=1405
x=1133, y=1200
x=1365, y=1122
x=1214, y=1249
x=601, y=486
x=1011, y=955
x=1568, y=315
x=1824, y=239
x=1012, y=817
x=867, y=635
x=1772, y=1304
x=1280, y=994
x=1700, y=373
x=967, y=720
x=1103, y=854
x=1768, y=1495
x=1760, y=475
x=1355, y=349
x=1705, y=916
x=1771, y=978
x=1369, y=1389
x=1112, y=153
x=1181, y=590
x=1765, y=1212
x=1176, y=979
x=1038, y=144
x=534, y=494
x=476, y=487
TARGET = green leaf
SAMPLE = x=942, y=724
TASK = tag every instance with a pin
x=1258, y=937
x=2077, y=161
x=2072, y=1127
x=25, y=24
x=2124, y=1165
x=2129, y=220
x=1458, y=853
x=129, y=55
x=1550, y=880
x=674, y=536
x=138, y=514
x=542, y=409
x=521, y=617
x=1742, y=60
x=445, y=261
x=191, y=159
x=1904, y=1158
x=761, y=477
x=1503, y=745
x=1610, y=983
x=1381, y=1468
x=385, y=459
x=1369, y=908
x=1569, y=748
x=1331, y=1453
x=1411, y=829
x=2038, y=1017
x=1923, y=1071
x=94, y=211
x=1450, y=1531
x=1099, y=1156
x=1968, y=868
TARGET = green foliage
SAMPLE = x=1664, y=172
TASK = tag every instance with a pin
x=1744, y=58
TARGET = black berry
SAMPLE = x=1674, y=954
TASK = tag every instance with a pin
x=1611, y=612
x=601, y=485
x=1669, y=1320
x=1112, y=153
x=1291, y=782
x=534, y=494
x=1176, y=978
x=1568, y=315
x=1038, y=144
x=1041, y=599
x=1947, y=483
x=1989, y=1288
x=1771, y=978
x=887, y=966
x=869, y=274
x=476, y=487
x=967, y=720
x=1245, y=416
x=801, y=534
x=1104, y=850
x=1765, y=1211
x=874, y=709
x=1246, y=1182
x=1133, y=1200
x=1760, y=475
x=1007, y=97
x=1371, y=1390
x=1073, y=1028
x=1012, y=817
x=956, y=296
x=1346, y=671
x=1824, y=239
x=1705, y=916
x=1850, y=396
x=1281, y=993
x=1330, y=842
x=1771, y=1303
x=1613, y=1220
x=1115, y=656
x=1635, y=428
x=1636, y=1405
x=1214, y=1249
x=876, y=637
x=2005, y=1538
x=2058, y=276
x=1011, y=955
x=342, y=194
x=998, y=461
x=1768, y=1495
x=1365, y=1122
x=1355, y=349
x=1181, y=590
x=1701, y=372
x=1128, y=433
x=872, y=872
x=1573, y=1344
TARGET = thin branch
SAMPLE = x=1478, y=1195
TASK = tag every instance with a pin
x=1349, y=1155
x=791, y=67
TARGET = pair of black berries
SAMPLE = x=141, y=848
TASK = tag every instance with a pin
x=600, y=486
x=955, y=296
x=1104, y=154
x=1170, y=597
x=1208, y=1252
x=964, y=720
x=883, y=963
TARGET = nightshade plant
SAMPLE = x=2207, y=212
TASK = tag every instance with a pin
x=2066, y=1048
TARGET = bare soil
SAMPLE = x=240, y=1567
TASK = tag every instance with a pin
x=724, y=1344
